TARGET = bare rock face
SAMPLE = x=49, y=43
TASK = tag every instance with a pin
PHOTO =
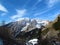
x=56, y=23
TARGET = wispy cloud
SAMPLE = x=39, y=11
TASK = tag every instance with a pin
x=2, y=8
x=20, y=13
x=40, y=13
x=55, y=14
x=3, y=14
x=34, y=6
x=51, y=3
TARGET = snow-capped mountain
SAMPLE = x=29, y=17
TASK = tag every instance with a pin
x=26, y=25
x=31, y=23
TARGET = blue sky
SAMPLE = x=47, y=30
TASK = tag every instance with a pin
x=12, y=10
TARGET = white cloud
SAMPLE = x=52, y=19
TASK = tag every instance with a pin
x=51, y=3
x=19, y=19
x=2, y=8
x=19, y=14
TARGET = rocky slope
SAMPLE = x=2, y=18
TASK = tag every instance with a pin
x=52, y=30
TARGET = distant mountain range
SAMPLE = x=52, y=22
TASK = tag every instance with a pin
x=25, y=25
x=31, y=22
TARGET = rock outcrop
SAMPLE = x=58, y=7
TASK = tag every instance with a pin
x=52, y=30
